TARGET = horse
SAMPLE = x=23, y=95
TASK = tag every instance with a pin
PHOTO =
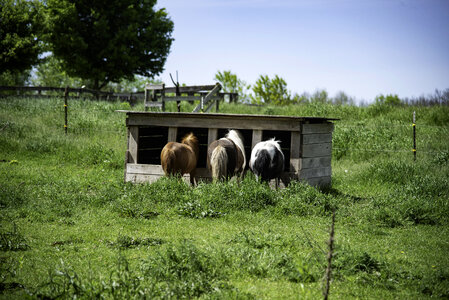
x=267, y=161
x=226, y=157
x=181, y=158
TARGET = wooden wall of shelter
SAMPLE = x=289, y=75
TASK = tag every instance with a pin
x=305, y=141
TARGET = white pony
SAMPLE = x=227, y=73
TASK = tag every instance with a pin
x=267, y=161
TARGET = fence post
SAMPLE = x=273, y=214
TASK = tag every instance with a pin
x=66, y=93
x=414, y=136
x=329, y=259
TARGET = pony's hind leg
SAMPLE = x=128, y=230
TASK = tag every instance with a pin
x=276, y=182
x=192, y=178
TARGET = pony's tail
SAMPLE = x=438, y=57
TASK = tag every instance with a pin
x=168, y=162
x=219, y=162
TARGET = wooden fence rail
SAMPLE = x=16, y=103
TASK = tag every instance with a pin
x=190, y=91
x=156, y=95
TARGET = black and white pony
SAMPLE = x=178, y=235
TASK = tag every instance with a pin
x=226, y=156
x=267, y=161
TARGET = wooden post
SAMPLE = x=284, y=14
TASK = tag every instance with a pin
x=257, y=137
x=162, y=97
x=146, y=98
x=329, y=259
x=172, y=134
x=295, y=152
x=133, y=144
x=414, y=136
x=66, y=93
x=212, y=135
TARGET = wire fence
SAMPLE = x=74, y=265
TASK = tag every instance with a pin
x=370, y=138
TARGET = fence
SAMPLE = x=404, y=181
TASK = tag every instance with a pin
x=131, y=97
x=47, y=92
x=402, y=139
x=412, y=140
x=207, y=95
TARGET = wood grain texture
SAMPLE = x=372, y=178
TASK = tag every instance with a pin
x=133, y=141
x=316, y=150
x=317, y=128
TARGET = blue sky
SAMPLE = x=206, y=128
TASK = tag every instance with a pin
x=361, y=47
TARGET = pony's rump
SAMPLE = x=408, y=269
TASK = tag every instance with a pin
x=218, y=162
x=181, y=158
x=267, y=160
x=168, y=159
x=226, y=156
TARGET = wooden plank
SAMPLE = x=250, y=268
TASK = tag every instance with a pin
x=183, y=98
x=150, y=169
x=222, y=115
x=207, y=98
x=189, y=89
x=317, y=150
x=257, y=137
x=317, y=128
x=144, y=169
x=208, y=121
x=146, y=99
x=141, y=178
x=172, y=134
x=162, y=97
x=150, y=173
x=316, y=172
x=317, y=138
x=295, y=147
x=315, y=162
x=154, y=86
x=144, y=178
x=212, y=135
x=133, y=141
x=140, y=173
x=153, y=104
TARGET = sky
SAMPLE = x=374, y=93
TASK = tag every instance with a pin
x=361, y=47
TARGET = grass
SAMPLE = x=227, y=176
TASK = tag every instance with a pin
x=70, y=226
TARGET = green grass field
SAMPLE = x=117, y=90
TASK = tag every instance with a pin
x=71, y=228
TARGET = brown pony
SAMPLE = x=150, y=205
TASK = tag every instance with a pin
x=181, y=158
x=226, y=156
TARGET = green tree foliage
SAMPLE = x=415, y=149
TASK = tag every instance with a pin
x=50, y=72
x=232, y=84
x=341, y=98
x=388, y=100
x=20, y=27
x=133, y=85
x=271, y=91
x=106, y=41
x=320, y=96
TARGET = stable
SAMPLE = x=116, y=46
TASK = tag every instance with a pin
x=306, y=142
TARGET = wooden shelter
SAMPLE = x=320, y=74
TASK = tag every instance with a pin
x=306, y=142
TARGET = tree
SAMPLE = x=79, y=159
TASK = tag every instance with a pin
x=20, y=27
x=342, y=99
x=388, y=100
x=320, y=96
x=231, y=84
x=271, y=91
x=50, y=72
x=106, y=41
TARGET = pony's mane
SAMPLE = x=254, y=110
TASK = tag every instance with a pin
x=274, y=143
x=189, y=138
x=236, y=137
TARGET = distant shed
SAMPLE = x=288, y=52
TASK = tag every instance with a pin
x=305, y=141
